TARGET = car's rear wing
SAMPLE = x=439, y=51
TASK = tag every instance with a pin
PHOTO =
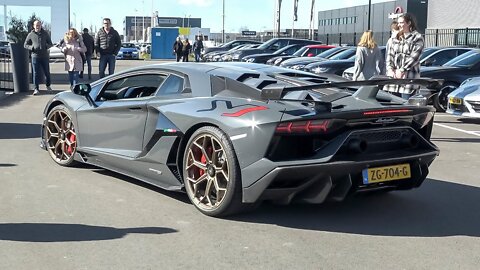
x=276, y=93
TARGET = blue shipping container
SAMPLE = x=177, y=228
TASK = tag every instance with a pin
x=162, y=42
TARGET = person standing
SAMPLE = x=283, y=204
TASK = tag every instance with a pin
x=177, y=48
x=73, y=47
x=186, y=48
x=403, y=55
x=197, y=48
x=38, y=42
x=89, y=44
x=368, y=59
x=107, y=44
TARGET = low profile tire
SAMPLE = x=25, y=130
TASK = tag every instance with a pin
x=441, y=99
x=212, y=174
x=60, y=136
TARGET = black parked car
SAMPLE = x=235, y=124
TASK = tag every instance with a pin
x=229, y=45
x=306, y=51
x=263, y=57
x=454, y=72
x=437, y=56
x=338, y=66
x=300, y=62
x=272, y=45
x=4, y=49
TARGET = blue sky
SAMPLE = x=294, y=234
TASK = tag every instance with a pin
x=254, y=15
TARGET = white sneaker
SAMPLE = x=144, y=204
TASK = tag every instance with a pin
x=49, y=88
x=35, y=92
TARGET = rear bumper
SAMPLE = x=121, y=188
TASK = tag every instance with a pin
x=314, y=183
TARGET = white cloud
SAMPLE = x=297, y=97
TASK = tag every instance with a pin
x=199, y=3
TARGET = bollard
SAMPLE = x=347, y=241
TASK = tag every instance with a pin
x=19, y=67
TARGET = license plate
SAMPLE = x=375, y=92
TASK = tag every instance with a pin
x=455, y=100
x=387, y=173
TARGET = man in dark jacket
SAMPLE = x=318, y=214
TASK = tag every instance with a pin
x=38, y=42
x=90, y=44
x=197, y=48
x=107, y=43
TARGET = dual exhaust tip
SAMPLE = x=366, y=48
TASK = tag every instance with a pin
x=359, y=146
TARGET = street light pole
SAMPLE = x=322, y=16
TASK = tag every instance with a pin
x=223, y=22
x=369, y=12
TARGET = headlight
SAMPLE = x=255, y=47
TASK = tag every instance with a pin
x=250, y=60
x=320, y=70
x=134, y=52
x=226, y=57
x=277, y=61
x=236, y=55
x=297, y=67
x=347, y=75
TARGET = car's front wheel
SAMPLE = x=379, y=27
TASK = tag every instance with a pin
x=211, y=173
x=60, y=136
x=440, y=100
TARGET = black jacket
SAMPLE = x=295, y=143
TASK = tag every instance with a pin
x=89, y=43
x=198, y=45
x=108, y=43
x=177, y=47
x=38, y=43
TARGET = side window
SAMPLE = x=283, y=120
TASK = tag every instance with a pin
x=443, y=57
x=172, y=85
x=134, y=86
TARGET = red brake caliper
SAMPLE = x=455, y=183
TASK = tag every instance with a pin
x=70, y=148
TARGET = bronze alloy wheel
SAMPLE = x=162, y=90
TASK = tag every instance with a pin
x=211, y=172
x=60, y=136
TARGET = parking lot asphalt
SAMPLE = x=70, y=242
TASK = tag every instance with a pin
x=53, y=217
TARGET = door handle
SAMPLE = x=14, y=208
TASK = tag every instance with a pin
x=135, y=108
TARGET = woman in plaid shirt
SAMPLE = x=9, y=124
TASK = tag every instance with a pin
x=403, y=55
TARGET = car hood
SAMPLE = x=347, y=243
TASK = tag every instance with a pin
x=333, y=63
x=470, y=90
x=302, y=61
x=261, y=55
x=437, y=69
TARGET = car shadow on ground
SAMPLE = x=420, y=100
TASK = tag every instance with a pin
x=19, y=131
x=56, y=232
x=436, y=209
x=176, y=195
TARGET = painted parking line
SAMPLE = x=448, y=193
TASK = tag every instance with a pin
x=475, y=133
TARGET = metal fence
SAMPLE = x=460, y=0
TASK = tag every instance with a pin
x=469, y=37
x=6, y=72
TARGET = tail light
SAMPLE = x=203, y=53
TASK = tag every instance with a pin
x=310, y=126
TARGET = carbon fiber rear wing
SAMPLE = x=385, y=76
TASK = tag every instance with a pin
x=277, y=93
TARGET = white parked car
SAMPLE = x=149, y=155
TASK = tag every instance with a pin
x=56, y=53
x=465, y=100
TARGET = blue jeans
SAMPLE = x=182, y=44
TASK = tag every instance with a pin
x=102, y=65
x=197, y=56
x=37, y=64
x=88, y=60
x=73, y=77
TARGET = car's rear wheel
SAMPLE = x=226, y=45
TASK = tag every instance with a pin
x=211, y=173
x=60, y=136
x=440, y=100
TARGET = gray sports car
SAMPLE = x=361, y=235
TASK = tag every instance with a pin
x=233, y=135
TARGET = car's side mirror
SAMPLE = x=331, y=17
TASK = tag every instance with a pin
x=82, y=89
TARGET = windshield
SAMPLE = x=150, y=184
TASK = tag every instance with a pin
x=343, y=55
x=281, y=50
x=427, y=52
x=465, y=60
x=301, y=51
x=128, y=45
